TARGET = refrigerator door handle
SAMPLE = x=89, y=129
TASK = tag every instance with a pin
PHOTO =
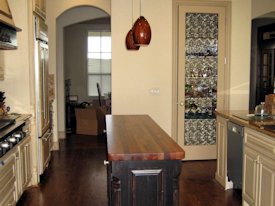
x=47, y=135
x=43, y=85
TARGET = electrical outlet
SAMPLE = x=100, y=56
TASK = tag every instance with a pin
x=154, y=91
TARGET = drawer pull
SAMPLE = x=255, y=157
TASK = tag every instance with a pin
x=106, y=162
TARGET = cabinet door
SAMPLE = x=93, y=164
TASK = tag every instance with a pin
x=221, y=150
x=250, y=173
x=46, y=154
x=266, y=182
x=25, y=160
x=8, y=181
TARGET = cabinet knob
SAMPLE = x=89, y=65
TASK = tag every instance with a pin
x=181, y=103
x=106, y=162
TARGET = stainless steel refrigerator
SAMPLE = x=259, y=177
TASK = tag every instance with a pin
x=41, y=92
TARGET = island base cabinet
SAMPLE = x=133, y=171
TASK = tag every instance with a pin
x=259, y=170
x=144, y=183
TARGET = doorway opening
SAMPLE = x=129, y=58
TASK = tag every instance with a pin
x=87, y=67
x=262, y=73
x=79, y=72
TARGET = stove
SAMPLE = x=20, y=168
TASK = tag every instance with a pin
x=13, y=138
x=5, y=122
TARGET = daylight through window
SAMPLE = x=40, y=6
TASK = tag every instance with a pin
x=99, y=59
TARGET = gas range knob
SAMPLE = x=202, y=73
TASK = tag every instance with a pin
x=19, y=135
x=13, y=139
x=5, y=145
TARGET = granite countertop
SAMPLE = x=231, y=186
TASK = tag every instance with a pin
x=246, y=118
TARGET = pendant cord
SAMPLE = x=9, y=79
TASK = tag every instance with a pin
x=132, y=12
x=139, y=7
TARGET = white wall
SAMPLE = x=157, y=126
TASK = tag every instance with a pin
x=54, y=10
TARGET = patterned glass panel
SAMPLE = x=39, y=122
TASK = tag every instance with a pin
x=201, y=63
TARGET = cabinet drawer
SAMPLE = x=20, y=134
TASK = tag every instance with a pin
x=8, y=182
x=9, y=199
x=260, y=142
x=7, y=172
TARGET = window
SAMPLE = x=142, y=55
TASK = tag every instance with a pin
x=99, y=62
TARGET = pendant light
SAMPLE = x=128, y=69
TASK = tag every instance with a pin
x=142, y=31
x=129, y=41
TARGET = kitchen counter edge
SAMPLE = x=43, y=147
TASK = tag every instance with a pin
x=246, y=123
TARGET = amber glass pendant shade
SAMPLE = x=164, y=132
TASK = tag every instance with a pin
x=130, y=44
x=142, y=32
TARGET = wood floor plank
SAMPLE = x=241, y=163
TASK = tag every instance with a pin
x=77, y=177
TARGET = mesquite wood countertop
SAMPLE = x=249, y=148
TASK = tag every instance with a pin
x=138, y=137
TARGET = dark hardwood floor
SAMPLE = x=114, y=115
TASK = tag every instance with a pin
x=77, y=176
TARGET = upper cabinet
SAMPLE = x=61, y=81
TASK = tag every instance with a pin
x=7, y=27
x=6, y=15
x=40, y=8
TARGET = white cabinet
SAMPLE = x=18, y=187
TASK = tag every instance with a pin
x=221, y=150
x=46, y=153
x=221, y=172
x=15, y=170
x=8, y=179
x=259, y=169
x=25, y=163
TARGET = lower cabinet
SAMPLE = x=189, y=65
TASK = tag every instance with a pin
x=46, y=153
x=259, y=169
x=8, y=180
x=221, y=150
x=144, y=183
x=15, y=172
x=25, y=163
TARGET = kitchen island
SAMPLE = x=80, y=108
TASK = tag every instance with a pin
x=144, y=163
x=258, y=176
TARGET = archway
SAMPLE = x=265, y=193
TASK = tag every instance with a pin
x=71, y=16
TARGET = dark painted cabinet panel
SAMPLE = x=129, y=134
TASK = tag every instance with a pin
x=144, y=183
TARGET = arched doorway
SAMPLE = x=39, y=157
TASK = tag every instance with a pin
x=73, y=16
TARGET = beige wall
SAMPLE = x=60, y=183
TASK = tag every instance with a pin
x=135, y=73
x=262, y=7
x=16, y=63
x=240, y=54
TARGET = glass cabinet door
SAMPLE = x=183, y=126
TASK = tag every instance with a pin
x=201, y=37
x=201, y=43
